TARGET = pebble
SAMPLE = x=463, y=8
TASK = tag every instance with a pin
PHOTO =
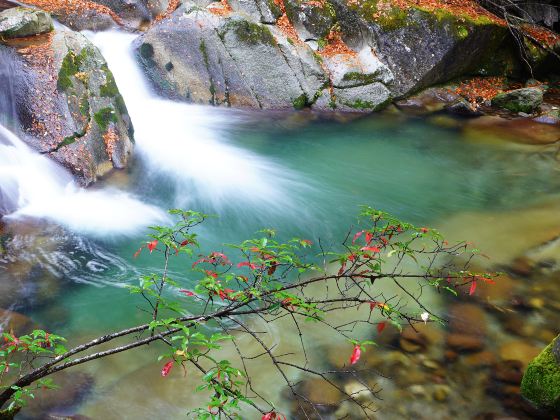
x=480, y=359
x=519, y=350
x=536, y=303
x=464, y=342
x=467, y=319
x=441, y=393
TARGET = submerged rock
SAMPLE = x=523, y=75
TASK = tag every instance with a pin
x=21, y=21
x=69, y=105
x=541, y=381
x=525, y=100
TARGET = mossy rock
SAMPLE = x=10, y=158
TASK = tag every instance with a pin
x=21, y=21
x=541, y=382
x=519, y=100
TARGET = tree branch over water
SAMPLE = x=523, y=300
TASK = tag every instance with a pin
x=270, y=282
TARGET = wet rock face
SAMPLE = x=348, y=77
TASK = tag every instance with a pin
x=20, y=22
x=69, y=106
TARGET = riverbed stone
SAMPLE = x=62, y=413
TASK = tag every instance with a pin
x=16, y=323
x=73, y=387
x=22, y=21
x=518, y=350
x=519, y=100
x=541, y=381
x=464, y=343
x=419, y=338
x=467, y=319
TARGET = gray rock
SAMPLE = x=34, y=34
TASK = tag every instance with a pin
x=21, y=21
x=203, y=58
x=370, y=97
x=69, y=106
x=132, y=14
x=525, y=100
x=421, y=48
x=463, y=107
x=235, y=61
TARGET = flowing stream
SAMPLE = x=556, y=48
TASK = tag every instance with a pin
x=301, y=174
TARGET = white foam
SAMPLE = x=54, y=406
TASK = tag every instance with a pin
x=33, y=185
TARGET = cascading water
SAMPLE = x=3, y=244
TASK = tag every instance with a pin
x=33, y=185
x=187, y=144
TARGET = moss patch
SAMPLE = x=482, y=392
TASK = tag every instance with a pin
x=360, y=78
x=70, y=65
x=104, y=117
x=109, y=89
x=300, y=102
x=541, y=382
x=251, y=33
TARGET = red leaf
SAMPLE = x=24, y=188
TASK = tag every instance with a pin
x=185, y=243
x=381, y=326
x=371, y=248
x=356, y=353
x=198, y=262
x=247, y=264
x=424, y=230
x=152, y=245
x=473, y=288
x=166, y=368
x=357, y=235
x=342, y=268
x=369, y=237
x=138, y=252
x=186, y=292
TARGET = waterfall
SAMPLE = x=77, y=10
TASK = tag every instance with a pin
x=33, y=185
x=188, y=143
x=8, y=71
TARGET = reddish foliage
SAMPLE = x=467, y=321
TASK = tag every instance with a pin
x=336, y=46
x=315, y=3
x=166, y=369
x=74, y=6
x=171, y=7
x=480, y=89
x=541, y=35
x=356, y=353
x=110, y=138
x=221, y=8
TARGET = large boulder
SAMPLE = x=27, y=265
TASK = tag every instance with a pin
x=102, y=14
x=423, y=47
x=324, y=54
x=541, y=381
x=232, y=59
x=21, y=21
x=68, y=104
